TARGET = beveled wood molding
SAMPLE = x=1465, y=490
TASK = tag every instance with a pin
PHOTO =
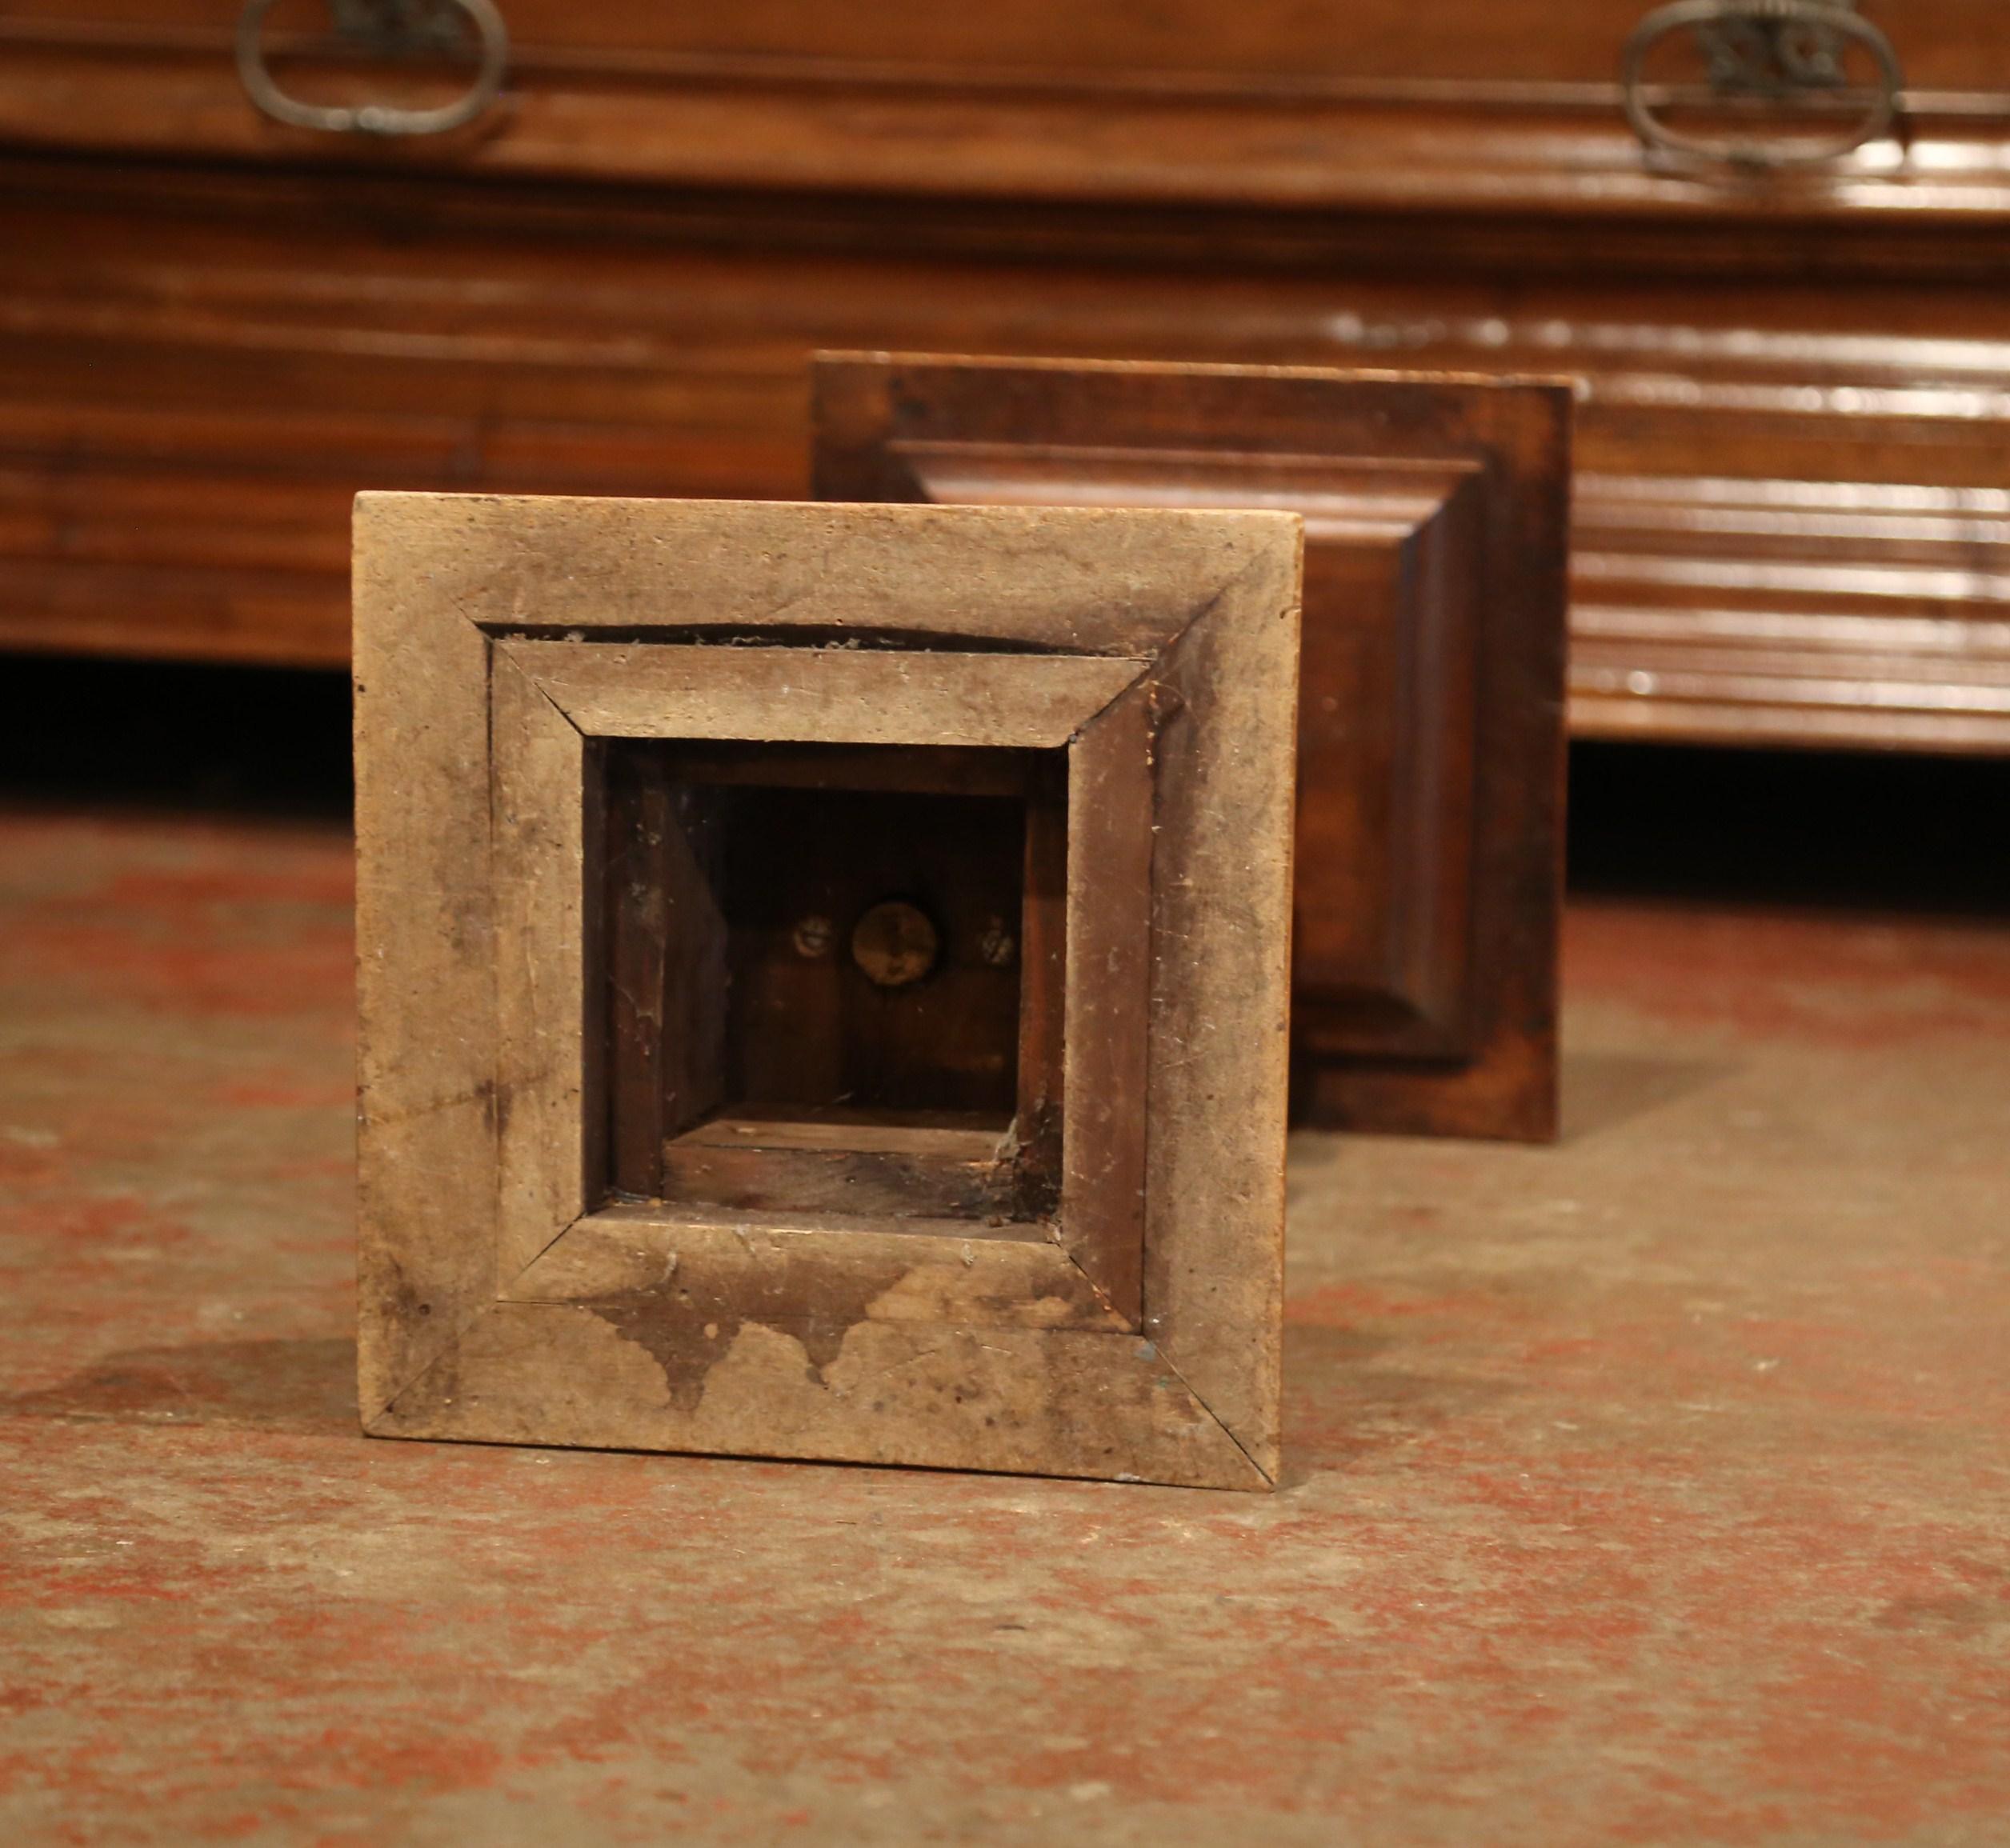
x=1124, y=1322
x=1383, y=969
x=1430, y=729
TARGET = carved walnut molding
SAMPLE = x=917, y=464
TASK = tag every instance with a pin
x=1431, y=722
x=502, y=648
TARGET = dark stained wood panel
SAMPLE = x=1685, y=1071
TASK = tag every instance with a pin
x=1431, y=729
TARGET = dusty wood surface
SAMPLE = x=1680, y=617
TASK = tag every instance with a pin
x=968, y=1135
x=1043, y=999
x=760, y=1323
x=1048, y=1402
x=899, y=1346
x=1221, y=1003
x=426, y=950
x=830, y=696
x=1107, y=1113
x=869, y=1167
x=1073, y=581
x=542, y=1046
x=815, y=1266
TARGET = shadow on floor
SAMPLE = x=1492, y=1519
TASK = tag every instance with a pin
x=1348, y=1395
x=1601, y=1091
x=1858, y=831
x=176, y=735
x=305, y=1387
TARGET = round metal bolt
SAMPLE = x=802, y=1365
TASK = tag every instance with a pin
x=895, y=944
x=813, y=937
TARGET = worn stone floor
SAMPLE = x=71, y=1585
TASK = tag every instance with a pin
x=1654, y=1488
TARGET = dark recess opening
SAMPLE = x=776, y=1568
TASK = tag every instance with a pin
x=1835, y=830
x=813, y=958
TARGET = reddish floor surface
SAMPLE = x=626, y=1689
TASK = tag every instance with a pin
x=1650, y=1488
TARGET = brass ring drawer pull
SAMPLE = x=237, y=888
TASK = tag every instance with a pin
x=391, y=28
x=1787, y=52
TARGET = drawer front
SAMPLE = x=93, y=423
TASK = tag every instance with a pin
x=1474, y=103
x=1792, y=506
x=1955, y=45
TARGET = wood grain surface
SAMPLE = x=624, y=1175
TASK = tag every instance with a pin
x=811, y=1277
x=1430, y=723
x=1789, y=524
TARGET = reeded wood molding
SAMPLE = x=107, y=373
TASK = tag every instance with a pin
x=1791, y=432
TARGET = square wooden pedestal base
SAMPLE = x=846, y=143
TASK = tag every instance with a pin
x=824, y=979
x=1430, y=718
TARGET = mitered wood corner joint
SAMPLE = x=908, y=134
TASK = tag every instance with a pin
x=823, y=979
